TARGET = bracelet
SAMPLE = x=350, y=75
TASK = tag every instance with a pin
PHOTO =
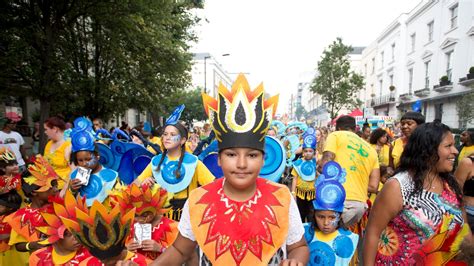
x=293, y=193
x=27, y=246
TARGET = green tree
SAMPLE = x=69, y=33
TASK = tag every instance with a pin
x=337, y=83
x=95, y=58
x=192, y=100
x=300, y=112
x=465, y=109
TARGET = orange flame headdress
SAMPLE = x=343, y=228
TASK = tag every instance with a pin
x=240, y=117
x=101, y=229
x=42, y=174
x=6, y=155
x=144, y=199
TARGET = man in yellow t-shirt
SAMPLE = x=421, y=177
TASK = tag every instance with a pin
x=361, y=163
x=467, y=139
x=409, y=122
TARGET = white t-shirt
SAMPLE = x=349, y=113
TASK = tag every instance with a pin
x=13, y=141
x=295, y=227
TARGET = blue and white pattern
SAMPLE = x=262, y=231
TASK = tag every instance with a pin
x=306, y=169
x=99, y=185
x=166, y=177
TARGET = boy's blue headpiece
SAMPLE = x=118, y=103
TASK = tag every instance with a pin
x=174, y=117
x=309, y=139
x=82, y=135
x=330, y=194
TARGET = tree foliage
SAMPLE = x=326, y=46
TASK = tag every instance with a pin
x=465, y=109
x=95, y=58
x=337, y=83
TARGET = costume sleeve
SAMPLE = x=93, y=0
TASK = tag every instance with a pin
x=146, y=173
x=331, y=143
x=295, y=229
x=184, y=225
x=204, y=176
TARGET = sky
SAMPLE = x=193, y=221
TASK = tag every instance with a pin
x=280, y=42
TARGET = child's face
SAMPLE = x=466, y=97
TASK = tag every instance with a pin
x=44, y=195
x=241, y=166
x=327, y=221
x=69, y=242
x=11, y=169
x=87, y=159
x=171, y=138
x=144, y=218
x=4, y=209
x=308, y=153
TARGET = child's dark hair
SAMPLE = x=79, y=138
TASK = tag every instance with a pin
x=73, y=158
x=183, y=132
x=11, y=200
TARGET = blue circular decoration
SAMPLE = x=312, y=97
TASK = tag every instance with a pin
x=332, y=170
x=83, y=123
x=274, y=160
x=330, y=195
x=321, y=254
x=343, y=246
x=108, y=175
x=140, y=163
x=308, y=167
x=167, y=172
x=106, y=157
x=82, y=141
x=310, y=131
x=93, y=188
x=211, y=162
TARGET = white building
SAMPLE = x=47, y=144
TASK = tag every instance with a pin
x=433, y=40
x=207, y=73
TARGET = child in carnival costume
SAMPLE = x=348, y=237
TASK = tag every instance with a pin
x=39, y=187
x=329, y=242
x=10, y=202
x=240, y=219
x=63, y=249
x=85, y=154
x=304, y=172
x=176, y=170
x=101, y=229
x=10, y=178
x=149, y=202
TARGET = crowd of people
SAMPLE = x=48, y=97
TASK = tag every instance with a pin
x=145, y=196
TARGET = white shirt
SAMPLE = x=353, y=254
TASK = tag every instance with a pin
x=13, y=141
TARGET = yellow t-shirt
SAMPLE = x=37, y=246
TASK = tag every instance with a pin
x=465, y=151
x=397, y=151
x=383, y=154
x=358, y=158
x=59, y=163
x=202, y=176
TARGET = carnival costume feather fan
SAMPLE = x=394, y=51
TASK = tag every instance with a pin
x=7, y=155
x=240, y=117
x=143, y=199
x=42, y=174
x=101, y=229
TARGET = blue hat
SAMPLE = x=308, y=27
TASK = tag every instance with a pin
x=174, y=117
x=309, y=139
x=82, y=135
x=330, y=194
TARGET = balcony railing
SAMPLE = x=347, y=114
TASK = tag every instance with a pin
x=384, y=99
x=406, y=96
x=423, y=92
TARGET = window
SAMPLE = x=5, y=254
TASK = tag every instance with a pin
x=454, y=16
x=381, y=87
x=438, y=111
x=449, y=64
x=412, y=40
x=427, y=74
x=381, y=59
x=373, y=65
x=410, y=80
x=430, y=31
x=393, y=51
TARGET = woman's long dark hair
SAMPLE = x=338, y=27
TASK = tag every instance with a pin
x=183, y=132
x=420, y=155
x=376, y=135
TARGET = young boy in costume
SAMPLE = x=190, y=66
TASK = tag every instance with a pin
x=149, y=202
x=304, y=172
x=10, y=202
x=240, y=219
x=329, y=242
x=102, y=230
x=10, y=178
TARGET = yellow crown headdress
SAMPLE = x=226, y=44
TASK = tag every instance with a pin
x=100, y=228
x=143, y=199
x=7, y=156
x=42, y=174
x=240, y=117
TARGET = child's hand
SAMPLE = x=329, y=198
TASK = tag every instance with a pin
x=75, y=184
x=151, y=245
x=133, y=246
x=149, y=181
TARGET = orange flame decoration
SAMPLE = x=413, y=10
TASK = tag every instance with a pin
x=63, y=208
x=42, y=174
x=144, y=199
x=6, y=155
x=90, y=225
x=240, y=97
